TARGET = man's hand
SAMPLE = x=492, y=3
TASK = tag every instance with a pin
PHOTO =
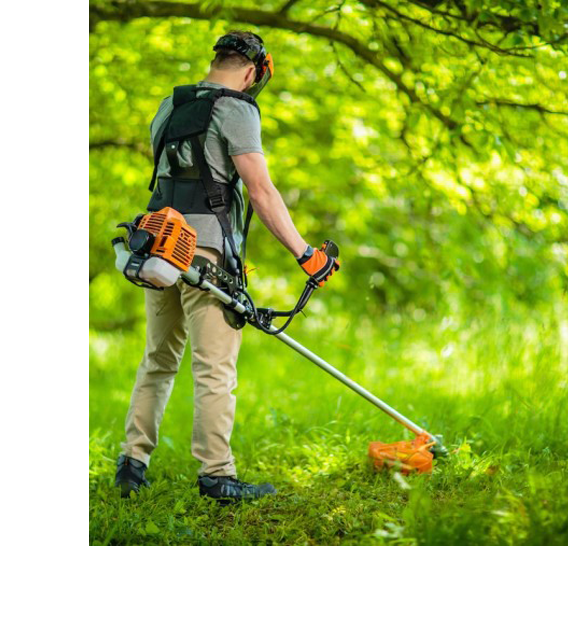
x=318, y=265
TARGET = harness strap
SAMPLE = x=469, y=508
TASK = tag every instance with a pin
x=235, y=180
x=215, y=195
x=173, y=158
x=250, y=212
x=157, y=150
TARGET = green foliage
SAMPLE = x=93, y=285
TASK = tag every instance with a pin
x=497, y=390
x=439, y=166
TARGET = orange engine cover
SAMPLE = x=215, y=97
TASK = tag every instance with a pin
x=175, y=239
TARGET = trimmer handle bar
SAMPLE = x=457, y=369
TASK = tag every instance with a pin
x=331, y=249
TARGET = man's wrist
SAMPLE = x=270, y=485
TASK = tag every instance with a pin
x=308, y=253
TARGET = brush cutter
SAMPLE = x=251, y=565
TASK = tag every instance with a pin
x=161, y=249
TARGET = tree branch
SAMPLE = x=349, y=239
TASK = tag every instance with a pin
x=470, y=42
x=535, y=106
x=505, y=23
x=346, y=72
x=287, y=6
x=140, y=147
x=124, y=12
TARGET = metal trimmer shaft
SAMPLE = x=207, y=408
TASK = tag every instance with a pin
x=193, y=277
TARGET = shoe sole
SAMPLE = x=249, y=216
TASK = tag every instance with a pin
x=126, y=487
x=233, y=500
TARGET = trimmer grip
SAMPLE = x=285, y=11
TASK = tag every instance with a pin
x=330, y=248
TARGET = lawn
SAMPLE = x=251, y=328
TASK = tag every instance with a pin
x=495, y=387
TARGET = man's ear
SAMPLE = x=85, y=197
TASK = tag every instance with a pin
x=250, y=76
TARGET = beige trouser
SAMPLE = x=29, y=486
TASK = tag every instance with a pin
x=172, y=315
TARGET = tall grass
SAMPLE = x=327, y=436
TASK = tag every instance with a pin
x=495, y=387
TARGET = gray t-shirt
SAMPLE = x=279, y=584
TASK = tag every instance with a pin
x=234, y=130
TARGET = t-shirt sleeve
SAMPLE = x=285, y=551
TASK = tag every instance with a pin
x=163, y=111
x=241, y=129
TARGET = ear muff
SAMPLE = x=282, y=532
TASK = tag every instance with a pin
x=267, y=66
x=266, y=73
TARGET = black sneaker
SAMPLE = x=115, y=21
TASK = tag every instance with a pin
x=129, y=475
x=229, y=489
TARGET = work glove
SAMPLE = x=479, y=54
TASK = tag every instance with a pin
x=317, y=264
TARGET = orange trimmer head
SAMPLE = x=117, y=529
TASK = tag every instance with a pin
x=410, y=456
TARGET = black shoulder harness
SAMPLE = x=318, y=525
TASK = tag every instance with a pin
x=189, y=120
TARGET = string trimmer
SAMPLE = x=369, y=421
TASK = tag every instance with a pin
x=161, y=250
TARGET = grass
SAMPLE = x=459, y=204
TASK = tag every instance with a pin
x=496, y=389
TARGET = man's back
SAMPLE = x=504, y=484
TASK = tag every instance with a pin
x=234, y=130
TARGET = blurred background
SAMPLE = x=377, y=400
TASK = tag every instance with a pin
x=429, y=139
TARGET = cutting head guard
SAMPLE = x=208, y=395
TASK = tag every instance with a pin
x=252, y=47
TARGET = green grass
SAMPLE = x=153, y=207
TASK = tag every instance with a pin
x=497, y=390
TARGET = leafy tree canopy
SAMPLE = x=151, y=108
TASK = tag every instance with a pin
x=429, y=138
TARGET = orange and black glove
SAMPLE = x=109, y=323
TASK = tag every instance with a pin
x=317, y=264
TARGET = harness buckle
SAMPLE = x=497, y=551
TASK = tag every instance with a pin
x=217, y=201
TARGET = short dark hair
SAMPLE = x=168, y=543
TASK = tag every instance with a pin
x=227, y=59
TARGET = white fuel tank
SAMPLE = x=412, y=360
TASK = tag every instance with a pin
x=159, y=272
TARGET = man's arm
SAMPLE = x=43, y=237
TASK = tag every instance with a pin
x=268, y=202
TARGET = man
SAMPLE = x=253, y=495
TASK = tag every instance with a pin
x=205, y=137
